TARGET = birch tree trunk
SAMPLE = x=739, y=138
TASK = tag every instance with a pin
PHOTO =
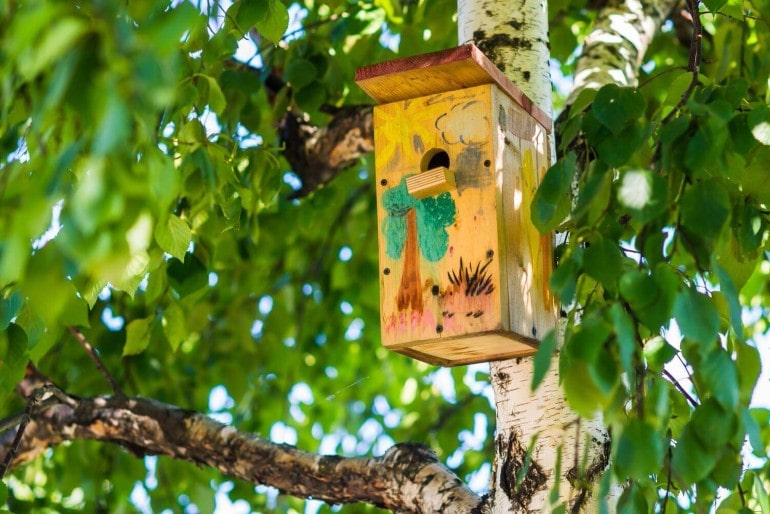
x=536, y=432
x=614, y=50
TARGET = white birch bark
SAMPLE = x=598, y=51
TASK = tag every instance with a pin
x=514, y=35
x=536, y=427
x=614, y=50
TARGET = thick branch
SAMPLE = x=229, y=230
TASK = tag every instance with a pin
x=615, y=48
x=407, y=478
x=318, y=154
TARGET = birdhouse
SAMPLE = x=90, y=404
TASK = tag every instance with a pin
x=459, y=153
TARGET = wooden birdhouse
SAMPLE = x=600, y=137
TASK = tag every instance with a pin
x=459, y=152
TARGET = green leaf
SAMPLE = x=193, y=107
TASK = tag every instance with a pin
x=650, y=297
x=174, y=236
x=678, y=83
x=749, y=227
x=187, y=277
x=618, y=149
x=563, y=281
x=657, y=352
x=137, y=336
x=705, y=209
x=603, y=261
x=719, y=377
x=728, y=289
x=639, y=451
x=714, y=5
x=9, y=308
x=114, y=127
x=751, y=425
x=713, y=425
x=643, y=193
x=759, y=123
x=582, y=393
x=60, y=37
x=215, y=97
x=588, y=339
x=551, y=203
x=274, y=20
x=626, y=337
x=543, y=357
x=691, y=461
x=748, y=364
x=632, y=501
x=614, y=106
x=300, y=73
x=174, y=325
x=697, y=316
x=14, y=355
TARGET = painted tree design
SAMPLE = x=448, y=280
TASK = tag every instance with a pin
x=413, y=227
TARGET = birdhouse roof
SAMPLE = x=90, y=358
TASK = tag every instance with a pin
x=437, y=72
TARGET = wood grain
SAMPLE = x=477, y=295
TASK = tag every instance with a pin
x=446, y=70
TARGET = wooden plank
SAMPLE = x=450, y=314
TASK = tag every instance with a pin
x=467, y=350
x=439, y=278
x=529, y=255
x=438, y=72
x=431, y=182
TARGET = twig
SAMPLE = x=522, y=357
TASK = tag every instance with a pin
x=99, y=364
x=681, y=389
x=6, y=464
x=41, y=399
x=695, y=57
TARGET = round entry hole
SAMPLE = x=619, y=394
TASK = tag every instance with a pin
x=434, y=158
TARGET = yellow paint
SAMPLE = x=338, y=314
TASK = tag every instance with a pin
x=539, y=255
x=449, y=317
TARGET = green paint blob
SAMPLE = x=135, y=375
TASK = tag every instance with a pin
x=434, y=215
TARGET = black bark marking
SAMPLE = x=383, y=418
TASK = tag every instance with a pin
x=521, y=478
x=583, y=482
x=491, y=46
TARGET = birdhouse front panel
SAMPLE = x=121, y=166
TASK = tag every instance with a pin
x=463, y=273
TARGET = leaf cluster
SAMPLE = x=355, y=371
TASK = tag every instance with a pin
x=663, y=192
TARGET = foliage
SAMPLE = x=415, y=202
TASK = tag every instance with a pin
x=668, y=235
x=178, y=252
x=144, y=199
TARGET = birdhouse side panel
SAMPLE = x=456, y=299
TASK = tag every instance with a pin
x=438, y=229
x=524, y=146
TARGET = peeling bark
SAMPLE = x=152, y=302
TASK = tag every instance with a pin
x=407, y=478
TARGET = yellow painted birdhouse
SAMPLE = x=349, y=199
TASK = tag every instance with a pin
x=459, y=152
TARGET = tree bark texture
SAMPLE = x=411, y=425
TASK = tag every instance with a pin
x=538, y=440
x=514, y=35
x=407, y=478
x=318, y=154
x=614, y=50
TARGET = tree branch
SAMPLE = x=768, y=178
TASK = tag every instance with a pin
x=92, y=353
x=407, y=478
x=318, y=154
